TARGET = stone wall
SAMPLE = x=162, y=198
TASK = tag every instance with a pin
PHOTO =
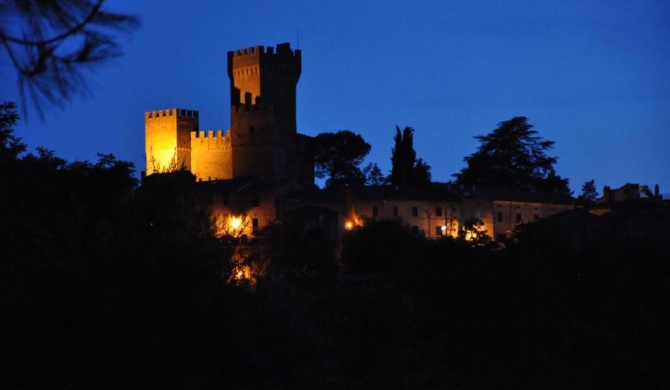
x=168, y=139
x=211, y=155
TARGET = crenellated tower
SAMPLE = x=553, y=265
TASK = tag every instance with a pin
x=262, y=140
x=263, y=111
x=168, y=139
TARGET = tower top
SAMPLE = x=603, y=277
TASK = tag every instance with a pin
x=264, y=75
x=283, y=49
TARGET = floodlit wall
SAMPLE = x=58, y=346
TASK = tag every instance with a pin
x=211, y=155
x=168, y=139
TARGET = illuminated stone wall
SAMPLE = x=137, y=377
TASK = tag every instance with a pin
x=420, y=214
x=211, y=155
x=168, y=139
x=263, y=138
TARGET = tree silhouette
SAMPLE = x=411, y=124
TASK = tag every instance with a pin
x=338, y=156
x=10, y=146
x=589, y=192
x=375, y=176
x=513, y=156
x=49, y=43
x=406, y=170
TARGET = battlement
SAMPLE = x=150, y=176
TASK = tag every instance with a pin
x=210, y=140
x=282, y=49
x=171, y=112
x=209, y=134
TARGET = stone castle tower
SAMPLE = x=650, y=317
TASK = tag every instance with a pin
x=262, y=140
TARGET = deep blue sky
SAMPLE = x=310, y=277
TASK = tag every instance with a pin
x=591, y=75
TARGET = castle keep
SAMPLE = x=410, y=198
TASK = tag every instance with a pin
x=262, y=140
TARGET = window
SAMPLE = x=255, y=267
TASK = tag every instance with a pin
x=254, y=225
x=415, y=211
x=518, y=217
x=438, y=230
x=500, y=217
x=375, y=211
x=438, y=211
x=395, y=211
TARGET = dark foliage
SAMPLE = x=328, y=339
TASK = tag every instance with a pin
x=406, y=169
x=375, y=177
x=50, y=43
x=338, y=157
x=513, y=156
x=105, y=285
x=589, y=193
x=379, y=247
x=102, y=286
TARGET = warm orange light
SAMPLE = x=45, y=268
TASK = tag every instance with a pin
x=235, y=222
x=242, y=274
x=349, y=225
x=231, y=225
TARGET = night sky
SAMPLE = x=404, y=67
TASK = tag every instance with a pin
x=591, y=75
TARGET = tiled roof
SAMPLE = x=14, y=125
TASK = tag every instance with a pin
x=370, y=193
x=510, y=194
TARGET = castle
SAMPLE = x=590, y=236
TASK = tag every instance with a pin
x=262, y=140
x=262, y=169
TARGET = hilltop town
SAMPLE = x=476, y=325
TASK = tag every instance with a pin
x=261, y=168
x=227, y=267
